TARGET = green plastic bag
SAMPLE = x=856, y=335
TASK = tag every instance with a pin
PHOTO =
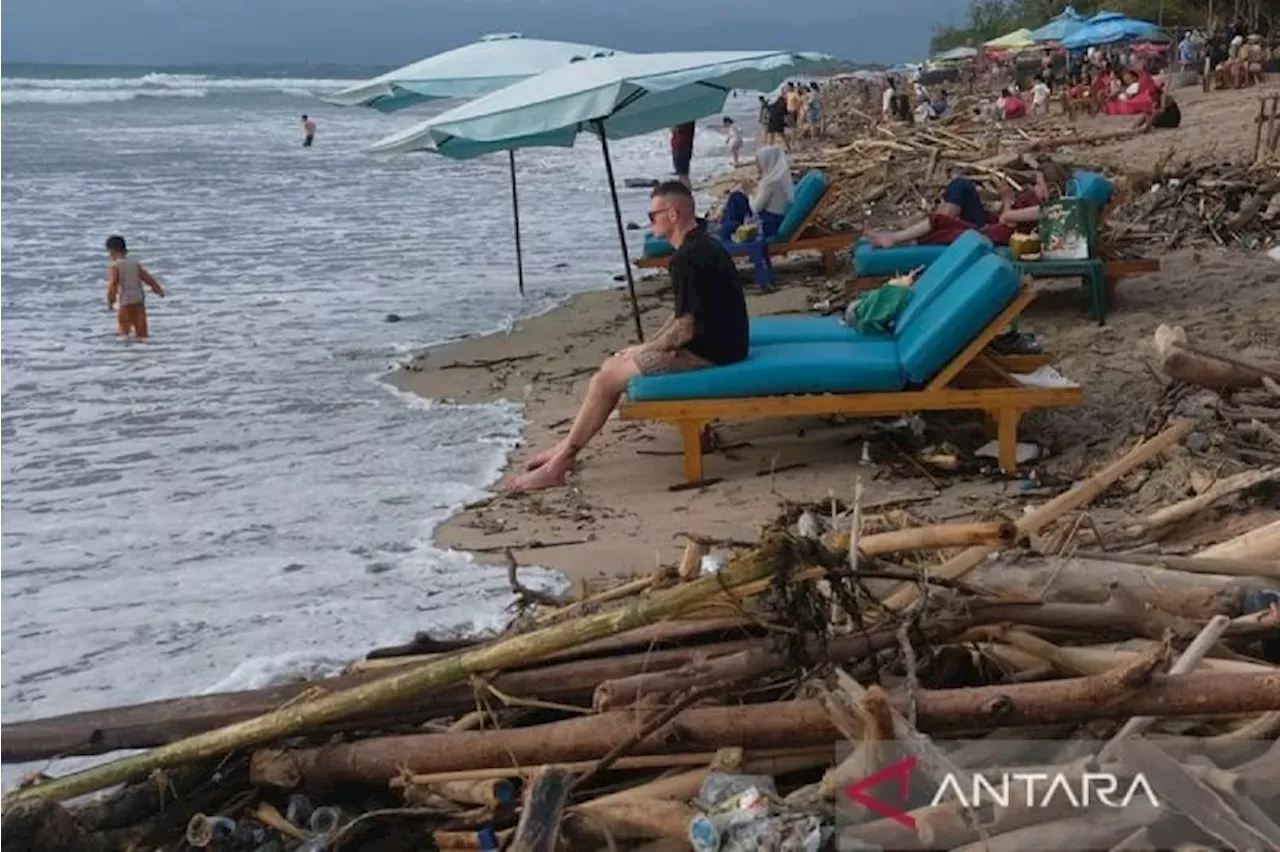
x=877, y=311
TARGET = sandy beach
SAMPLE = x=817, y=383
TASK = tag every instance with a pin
x=619, y=514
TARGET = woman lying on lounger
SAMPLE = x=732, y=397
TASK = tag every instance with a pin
x=768, y=200
x=961, y=210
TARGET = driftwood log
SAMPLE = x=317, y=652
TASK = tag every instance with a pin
x=1183, y=593
x=1260, y=543
x=779, y=724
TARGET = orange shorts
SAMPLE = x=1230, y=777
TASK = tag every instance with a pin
x=132, y=318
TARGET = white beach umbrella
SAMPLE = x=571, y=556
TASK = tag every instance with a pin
x=611, y=98
x=475, y=69
x=484, y=66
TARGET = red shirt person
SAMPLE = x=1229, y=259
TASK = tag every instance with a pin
x=682, y=150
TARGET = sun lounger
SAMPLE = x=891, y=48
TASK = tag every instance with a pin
x=935, y=362
x=799, y=231
x=970, y=247
x=872, y=265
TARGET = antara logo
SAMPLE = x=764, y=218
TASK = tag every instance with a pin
x=1017, y=789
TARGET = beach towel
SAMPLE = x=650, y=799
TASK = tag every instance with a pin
x=877, y=312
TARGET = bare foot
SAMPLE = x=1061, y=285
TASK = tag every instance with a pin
x=549, y=475
x=541, y=458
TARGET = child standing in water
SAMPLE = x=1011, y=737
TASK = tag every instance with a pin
x=734, y=137
x=125, y=277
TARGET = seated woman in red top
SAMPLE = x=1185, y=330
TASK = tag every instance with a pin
x=1010, y=105
x=1018, y=212
x=1137, y=96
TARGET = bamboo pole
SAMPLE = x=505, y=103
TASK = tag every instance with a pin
x=1183, y=509
x=361, y=699
x=1268, y=568
x=1076, y=498
x=930, y=538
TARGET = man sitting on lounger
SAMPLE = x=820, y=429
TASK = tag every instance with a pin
x=707, y=328
x=961, y=210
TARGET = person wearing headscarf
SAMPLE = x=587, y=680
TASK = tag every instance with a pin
x=767, y=199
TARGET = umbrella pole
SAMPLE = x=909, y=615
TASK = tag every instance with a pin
x=515, y=210
x=622, y=234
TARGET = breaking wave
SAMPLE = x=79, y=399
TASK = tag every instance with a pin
x=96, y=90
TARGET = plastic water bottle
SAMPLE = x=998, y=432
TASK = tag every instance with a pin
x=704, y=836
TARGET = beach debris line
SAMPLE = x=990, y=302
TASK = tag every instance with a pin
x=743, y=702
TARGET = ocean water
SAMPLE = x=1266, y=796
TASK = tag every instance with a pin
x=241, y=498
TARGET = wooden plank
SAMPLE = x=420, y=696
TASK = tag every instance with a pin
x=866, y=404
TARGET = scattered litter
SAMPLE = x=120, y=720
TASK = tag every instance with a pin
x=1025, y=452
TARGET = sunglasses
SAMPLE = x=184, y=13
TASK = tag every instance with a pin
x=653, y=214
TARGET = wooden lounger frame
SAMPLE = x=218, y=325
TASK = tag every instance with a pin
x=810, y=235
x=974, y=380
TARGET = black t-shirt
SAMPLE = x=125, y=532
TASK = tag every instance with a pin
x=1169, y=115
x=778, y=110
x=707, y=287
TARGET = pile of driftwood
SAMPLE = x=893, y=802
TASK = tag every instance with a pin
x=1186, y=205
x=611, y=720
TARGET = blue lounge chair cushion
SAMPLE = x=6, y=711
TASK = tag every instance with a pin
x=657, y=246
x=871, y=262
x=783, y=369
x=934, y=336
x=955, y=258
x=770, y=331
x=947, y=268
x=808, y=193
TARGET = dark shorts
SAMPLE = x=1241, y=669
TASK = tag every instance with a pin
x=791, y=119
x=778, y=126
x=306, y=141
x=680, y=159
x=656, y=363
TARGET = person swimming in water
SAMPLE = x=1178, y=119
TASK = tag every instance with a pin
x=308, y=131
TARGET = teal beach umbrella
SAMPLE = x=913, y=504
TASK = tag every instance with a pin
x=611, y=97
x=475, y=69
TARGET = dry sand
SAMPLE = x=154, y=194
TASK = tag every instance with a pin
x=618, y=515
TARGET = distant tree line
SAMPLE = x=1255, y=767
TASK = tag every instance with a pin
x=988, y=19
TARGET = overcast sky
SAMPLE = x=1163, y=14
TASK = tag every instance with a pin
x=170, y=32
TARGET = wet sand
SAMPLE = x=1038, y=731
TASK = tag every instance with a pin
x=618, y=515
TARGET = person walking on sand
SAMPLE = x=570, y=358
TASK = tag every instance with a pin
x=308, y=131
x=707, y=328
x=125, y=277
